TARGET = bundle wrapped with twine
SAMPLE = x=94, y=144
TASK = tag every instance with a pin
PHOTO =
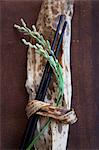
x=56, y=134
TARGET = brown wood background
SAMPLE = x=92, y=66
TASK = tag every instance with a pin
x=84, y=135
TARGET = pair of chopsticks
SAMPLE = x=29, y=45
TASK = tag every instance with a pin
x=40, y=95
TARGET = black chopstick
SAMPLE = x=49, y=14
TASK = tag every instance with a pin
x=32, y=122
x=47, y=67
x=45, y=86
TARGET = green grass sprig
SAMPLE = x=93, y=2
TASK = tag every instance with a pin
x=43, y=47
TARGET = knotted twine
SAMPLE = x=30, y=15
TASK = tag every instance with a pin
x=59, y=113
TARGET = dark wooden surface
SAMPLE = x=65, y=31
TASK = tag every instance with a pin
x=84, y=135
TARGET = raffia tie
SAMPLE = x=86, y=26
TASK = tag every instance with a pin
x=45, y=109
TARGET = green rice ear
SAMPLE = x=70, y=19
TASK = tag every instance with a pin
x=43, y=48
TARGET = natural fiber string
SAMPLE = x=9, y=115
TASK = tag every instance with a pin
x=47, y=110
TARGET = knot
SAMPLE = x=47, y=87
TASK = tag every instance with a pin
x=60, y=114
